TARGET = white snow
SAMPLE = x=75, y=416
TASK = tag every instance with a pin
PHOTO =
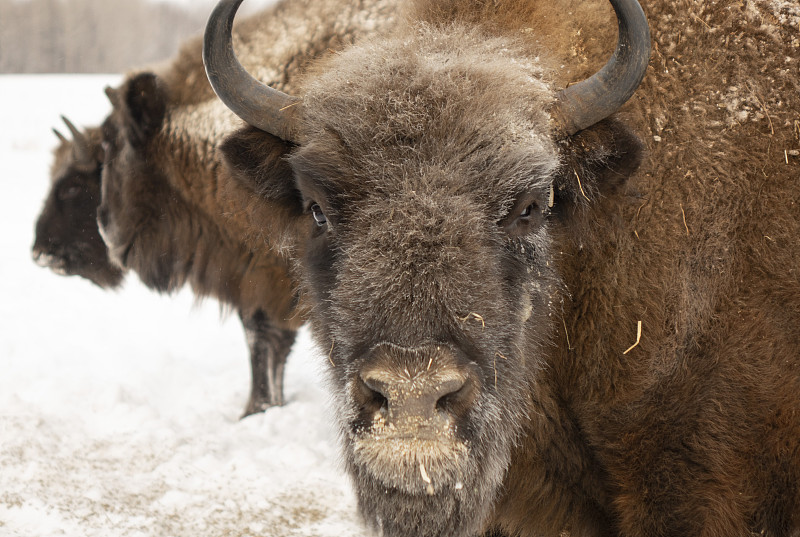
x=119, y=410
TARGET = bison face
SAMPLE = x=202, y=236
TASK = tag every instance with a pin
x=429, y=267
x=67, y=238
x=427, y=259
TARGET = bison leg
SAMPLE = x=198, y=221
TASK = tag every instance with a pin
x=269, y=347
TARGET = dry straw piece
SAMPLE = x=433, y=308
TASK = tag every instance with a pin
x=638, y=337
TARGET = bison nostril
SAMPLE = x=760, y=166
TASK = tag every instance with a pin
x=447, y=401
x=447, y=389
x=417, y=396
x=454, y=395
x=372, y=397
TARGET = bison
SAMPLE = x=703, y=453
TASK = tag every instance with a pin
x=171, y=212
x=189, y=246
x=546, y=311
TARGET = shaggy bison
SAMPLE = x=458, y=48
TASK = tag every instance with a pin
x=546, y=313
x=188, y=247
x=170, y=210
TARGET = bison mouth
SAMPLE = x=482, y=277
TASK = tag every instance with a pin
x=428, y=434
x=427, y=476
x=80, y=263
x=412, y=463
x=408, y=486
x=57, y=263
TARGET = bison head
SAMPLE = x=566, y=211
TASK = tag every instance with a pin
x=67, y=238
x=434, y=170
x=136, y=198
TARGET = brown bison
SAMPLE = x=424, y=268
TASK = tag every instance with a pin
x=67, y=239
x=171, y=212
x=215, y=262
x=544, y=314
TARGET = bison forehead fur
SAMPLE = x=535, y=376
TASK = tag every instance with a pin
x=414, y=180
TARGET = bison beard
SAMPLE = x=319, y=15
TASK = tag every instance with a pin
x=449, y=494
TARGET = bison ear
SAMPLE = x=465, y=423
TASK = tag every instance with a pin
x=257, y=160
x=144, y=102
x=596, y=163
x=112, y=94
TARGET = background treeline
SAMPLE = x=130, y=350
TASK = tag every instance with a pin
x=93, y=36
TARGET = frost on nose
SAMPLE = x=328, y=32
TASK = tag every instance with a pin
x=415, y=391
x=411, y=401
x=47, y=260
x=418, y=397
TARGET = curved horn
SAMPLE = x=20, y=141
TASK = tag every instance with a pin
x=63, y=139
x=111, y=93
x=587, y=102
x=259, y=105
x=80, y=147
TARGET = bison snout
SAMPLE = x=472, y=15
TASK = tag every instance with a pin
x=415, y=389
x=418, y=398
x=39, y=257
x=48, y=260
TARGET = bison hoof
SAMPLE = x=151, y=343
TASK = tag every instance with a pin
x=257, y=406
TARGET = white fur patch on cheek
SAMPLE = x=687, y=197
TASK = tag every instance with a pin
x=527, y=307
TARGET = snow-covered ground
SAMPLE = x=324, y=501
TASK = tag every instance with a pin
x=119, y=410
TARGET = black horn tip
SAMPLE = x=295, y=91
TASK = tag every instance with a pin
x=60, y=136
x=76, y=133
x=589, y=101
x=255, y=102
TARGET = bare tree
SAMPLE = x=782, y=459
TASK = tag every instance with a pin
x=90, y=36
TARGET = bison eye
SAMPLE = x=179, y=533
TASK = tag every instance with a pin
x=524, y=218
x=528, y=211
x=69, y=192
x=319, y=216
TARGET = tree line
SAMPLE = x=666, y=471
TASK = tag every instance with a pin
x=93, y=36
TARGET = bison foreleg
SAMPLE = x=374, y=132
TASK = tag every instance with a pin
x=269, y=346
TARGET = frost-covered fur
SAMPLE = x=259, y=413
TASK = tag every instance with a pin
x=426, y=247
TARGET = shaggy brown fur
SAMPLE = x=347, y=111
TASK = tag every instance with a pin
x=153, y=225
x=430, y=253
